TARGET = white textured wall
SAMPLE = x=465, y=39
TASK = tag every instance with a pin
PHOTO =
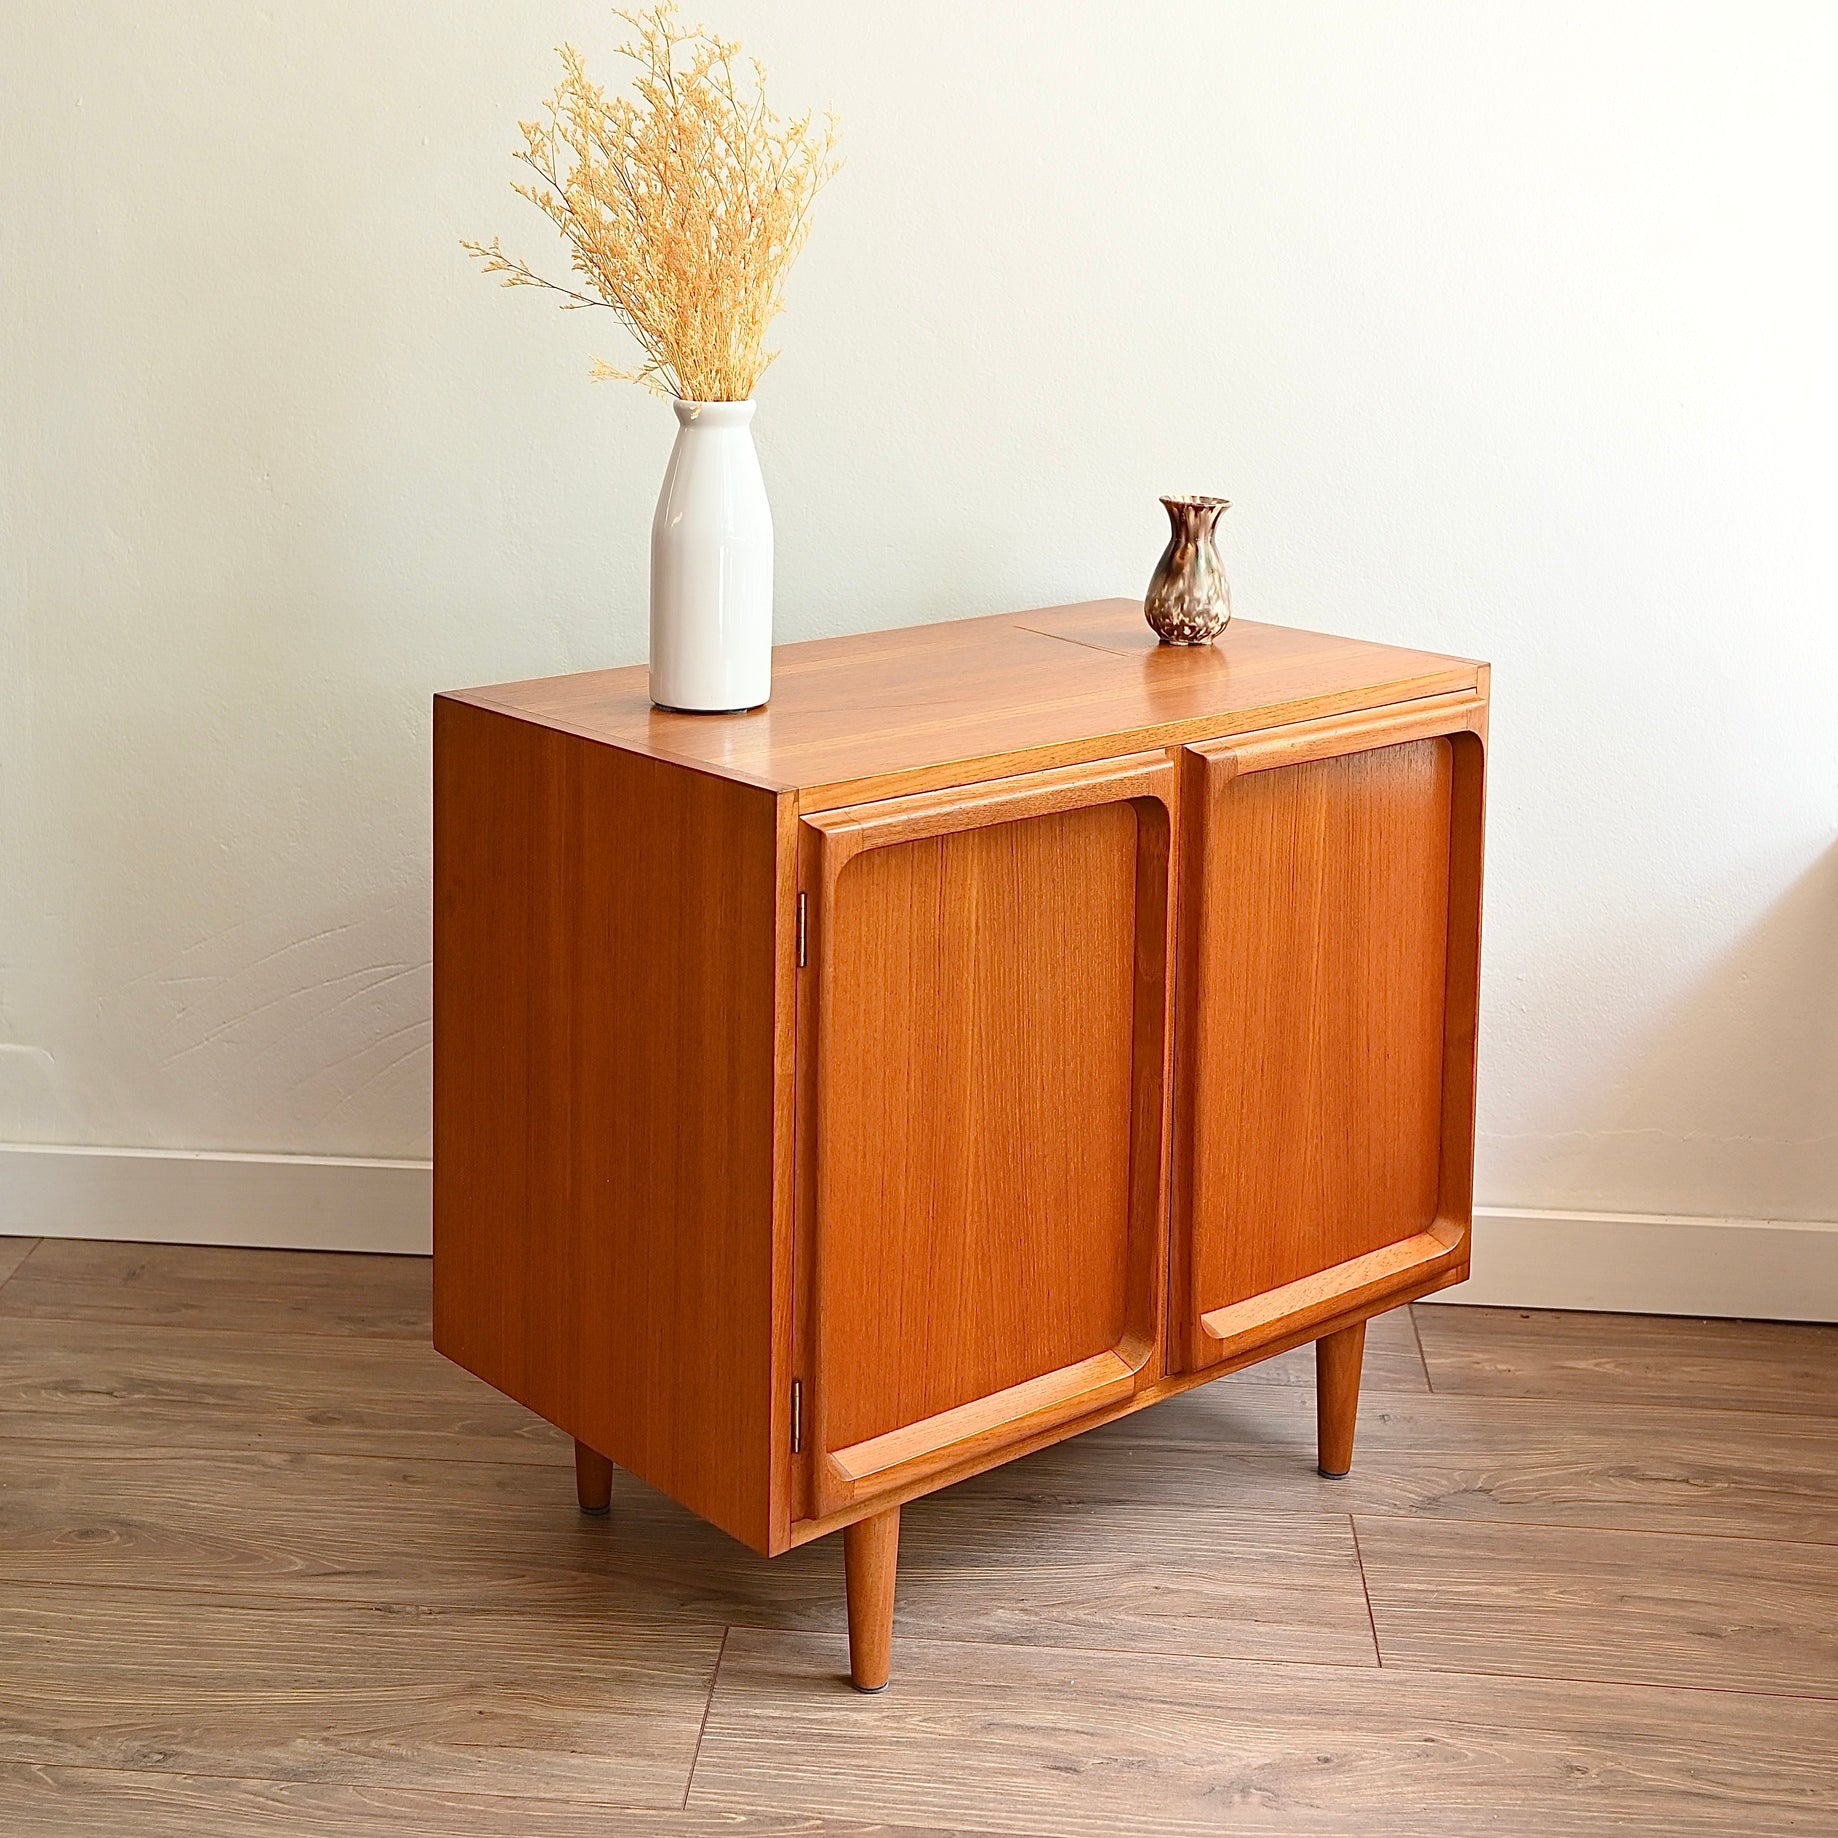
x=1509, y=329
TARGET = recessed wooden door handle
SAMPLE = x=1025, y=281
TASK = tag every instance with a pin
x=1337, y=1290
x=935, y=1443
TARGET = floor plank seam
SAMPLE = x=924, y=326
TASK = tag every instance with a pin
x=134, y=1451
x=339, y=1337
x=910, y=1641
x=1575, y=1525
x=4, y=1280
x=213, y=1596
x=549, y=1802
x=152, y=1452
x=1407, y=1668
x=1365, y=1589
x=269, y=1337
x=1423, y=1359
x=1553, y=1400
x=201, y=1596
x=1549, y=1400
x=708, y=1704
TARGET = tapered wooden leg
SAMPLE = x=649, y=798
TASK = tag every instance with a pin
x=1337, y=1358
x=593, y=1478
x=870, y=1555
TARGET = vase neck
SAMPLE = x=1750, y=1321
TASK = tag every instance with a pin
x=1194, y=518
x=713, y=414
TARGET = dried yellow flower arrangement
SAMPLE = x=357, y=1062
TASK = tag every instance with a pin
x=683, y=205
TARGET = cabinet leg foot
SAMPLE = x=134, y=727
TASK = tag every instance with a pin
x=593, y=1479
x=870, y=1556
x=1337, y=1358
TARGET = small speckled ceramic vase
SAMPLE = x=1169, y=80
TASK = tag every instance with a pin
x=1188, y=601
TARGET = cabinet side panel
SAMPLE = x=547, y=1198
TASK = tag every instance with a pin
x=603, y=1100
x=1315, y=1034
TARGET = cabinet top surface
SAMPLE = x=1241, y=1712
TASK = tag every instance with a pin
x=1011, y=692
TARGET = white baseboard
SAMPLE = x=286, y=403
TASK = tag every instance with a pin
x=1653, y=1264
x=178, y=1196
x=1761, y=1269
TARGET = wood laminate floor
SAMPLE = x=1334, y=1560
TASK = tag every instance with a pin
x=270, y=1566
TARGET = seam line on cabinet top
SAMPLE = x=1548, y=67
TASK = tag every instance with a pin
x=1087, y=644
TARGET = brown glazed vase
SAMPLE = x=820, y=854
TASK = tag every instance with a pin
x=1188, y=601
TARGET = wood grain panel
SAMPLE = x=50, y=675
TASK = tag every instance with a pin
x=1330, y=914
x=297, y=1292
x=1004, y=1024
x=604, y=1030
x=256, y=1524
x=104, y=1384
x=1318, y=899
x=446, y=1646
x=1745, y=1474
x=300, y=1528
x=13, y=1253
x=1093, y=1746
x=975, y=1165
x=1202, y=1582
x=1720, y=1614
x=970, y=699
x=1633, y=1359
x=85, y=1802
x=549, y=1702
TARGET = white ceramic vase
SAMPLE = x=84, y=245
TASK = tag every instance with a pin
x=711, y=566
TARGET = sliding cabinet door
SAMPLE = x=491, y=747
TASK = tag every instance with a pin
x=1324, y=1106
x=983, y=1019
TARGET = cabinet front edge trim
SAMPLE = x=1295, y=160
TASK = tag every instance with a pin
x=815, y=798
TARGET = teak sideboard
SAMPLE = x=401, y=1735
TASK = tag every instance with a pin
x=1014, y=1023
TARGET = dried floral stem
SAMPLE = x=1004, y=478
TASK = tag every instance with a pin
x=683, y=205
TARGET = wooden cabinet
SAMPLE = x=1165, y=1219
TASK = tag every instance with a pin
x=1014, y=1023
